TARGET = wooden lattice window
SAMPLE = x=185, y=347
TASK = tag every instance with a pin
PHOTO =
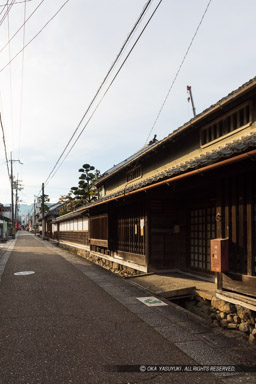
x=134, y=173
x=202, y=230
x=238, y=118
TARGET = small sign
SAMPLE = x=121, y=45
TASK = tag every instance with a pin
x=151, y=301
x=142, y=227
x=24, y=273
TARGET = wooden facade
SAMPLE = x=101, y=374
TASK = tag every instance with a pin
x=72, y=228
x=120, y=233
x=160, y=208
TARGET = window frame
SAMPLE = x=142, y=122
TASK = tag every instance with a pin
x=226, y=125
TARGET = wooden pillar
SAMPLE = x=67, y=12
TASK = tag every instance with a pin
x=234, y=225
x=227, y=210
x=147, y=231
x=219, y=224
x=241, y=230
x=249, y=224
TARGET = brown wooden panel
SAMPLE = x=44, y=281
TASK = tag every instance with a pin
x=99, y=242
x=99, y=227
x=79, y=237
x=133, y=257
x=239, y=283
x=131, y=229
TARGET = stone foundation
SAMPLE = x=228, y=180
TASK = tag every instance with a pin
x=112, y=266
x=226, y=315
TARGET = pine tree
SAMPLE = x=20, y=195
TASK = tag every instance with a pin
x=85, y=193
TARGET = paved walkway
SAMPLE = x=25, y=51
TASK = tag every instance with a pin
x=175, y=284
x=73, y=322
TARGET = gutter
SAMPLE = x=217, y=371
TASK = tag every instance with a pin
x=207, y=168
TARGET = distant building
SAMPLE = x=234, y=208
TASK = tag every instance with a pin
x=5, y=222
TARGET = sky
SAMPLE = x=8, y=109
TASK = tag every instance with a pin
x=65, y=64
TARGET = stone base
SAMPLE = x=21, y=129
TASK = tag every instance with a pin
x=114, y=267
x=226, y=315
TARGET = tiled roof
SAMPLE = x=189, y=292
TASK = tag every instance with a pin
x=247, y=86
x=70, y=215
x=213, y=156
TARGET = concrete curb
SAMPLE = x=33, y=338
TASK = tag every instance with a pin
x=5, y=254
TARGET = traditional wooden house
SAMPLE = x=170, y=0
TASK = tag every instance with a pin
x=50, y=216
x=72, y=229
x=5, y=223
x=161, y=207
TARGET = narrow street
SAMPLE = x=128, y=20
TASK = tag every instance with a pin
x=73, y=322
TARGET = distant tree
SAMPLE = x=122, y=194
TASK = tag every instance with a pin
x=86, y=191
x=69, y=203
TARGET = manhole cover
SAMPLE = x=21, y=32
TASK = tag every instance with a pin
x=24, y=273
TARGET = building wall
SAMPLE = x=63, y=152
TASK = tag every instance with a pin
x=188, y=146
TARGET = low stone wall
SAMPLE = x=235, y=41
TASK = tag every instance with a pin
x=233, y=316
x=224, y=314
x=117, y=268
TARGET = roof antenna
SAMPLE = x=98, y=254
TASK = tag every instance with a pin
x=190, y=98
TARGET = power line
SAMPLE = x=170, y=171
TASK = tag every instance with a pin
x=5, y=149
x=22, y=74
x=8, y=9
x=10, y=79
x=23, y=25
x=102, y=83
x=177, y=73
x=17, y=54
x=17, y=2
x=112, y=81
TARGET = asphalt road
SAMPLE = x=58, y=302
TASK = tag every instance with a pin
x=58, y=326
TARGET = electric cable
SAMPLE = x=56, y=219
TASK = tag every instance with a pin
x=22, y=75
x=102, y=83
x=30, y=41
x=112, y=81
x=9, y=7
x=23, y=25
x=17, y=2
x=178, y=71
x=10, y=79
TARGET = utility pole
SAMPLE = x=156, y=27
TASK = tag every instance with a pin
x=18, y=187
x=16, y=203
x=34, y=221
x=13, y=227
x=13, y=219
x=43, y=228
x=190, y=98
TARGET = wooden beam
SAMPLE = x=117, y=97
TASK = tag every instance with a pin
x=240, y=283
x=99, y=242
